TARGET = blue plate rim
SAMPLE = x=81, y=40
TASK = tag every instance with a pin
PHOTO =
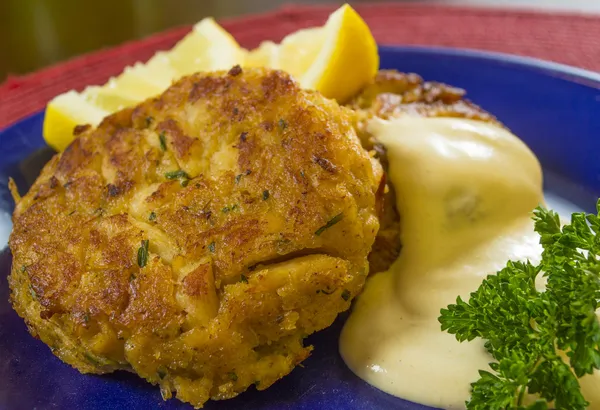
x=524, y=64
x=548, y=67
x=576, y=74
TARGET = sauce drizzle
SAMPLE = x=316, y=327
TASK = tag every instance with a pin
x=465, y=190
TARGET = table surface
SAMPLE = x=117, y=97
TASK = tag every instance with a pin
x=37, y=33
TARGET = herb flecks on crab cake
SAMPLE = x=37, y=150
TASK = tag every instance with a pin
x=198, y=238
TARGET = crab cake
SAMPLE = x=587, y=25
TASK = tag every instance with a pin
x=393, y=94
x=197, y=238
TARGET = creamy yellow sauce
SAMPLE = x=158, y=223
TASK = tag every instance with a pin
x=465, y=191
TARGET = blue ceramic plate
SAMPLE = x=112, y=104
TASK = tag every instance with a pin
x=554, y=108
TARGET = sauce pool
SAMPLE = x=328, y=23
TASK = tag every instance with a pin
x=465, y=190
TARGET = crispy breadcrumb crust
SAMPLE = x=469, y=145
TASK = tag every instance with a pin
x=197, y=238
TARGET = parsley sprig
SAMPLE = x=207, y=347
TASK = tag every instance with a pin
x=526, y=329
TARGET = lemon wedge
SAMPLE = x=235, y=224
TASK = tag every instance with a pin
x=158, y=70
x=299, y=50
x=64, y=113
x=337, y=59
x=207, y=47
x=266, y=55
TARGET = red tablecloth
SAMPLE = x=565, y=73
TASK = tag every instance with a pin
x=565, y=38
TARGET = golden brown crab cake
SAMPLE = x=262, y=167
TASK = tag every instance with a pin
x=199, y=237
x=393, y=94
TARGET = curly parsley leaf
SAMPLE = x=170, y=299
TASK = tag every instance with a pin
x=542, y=341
